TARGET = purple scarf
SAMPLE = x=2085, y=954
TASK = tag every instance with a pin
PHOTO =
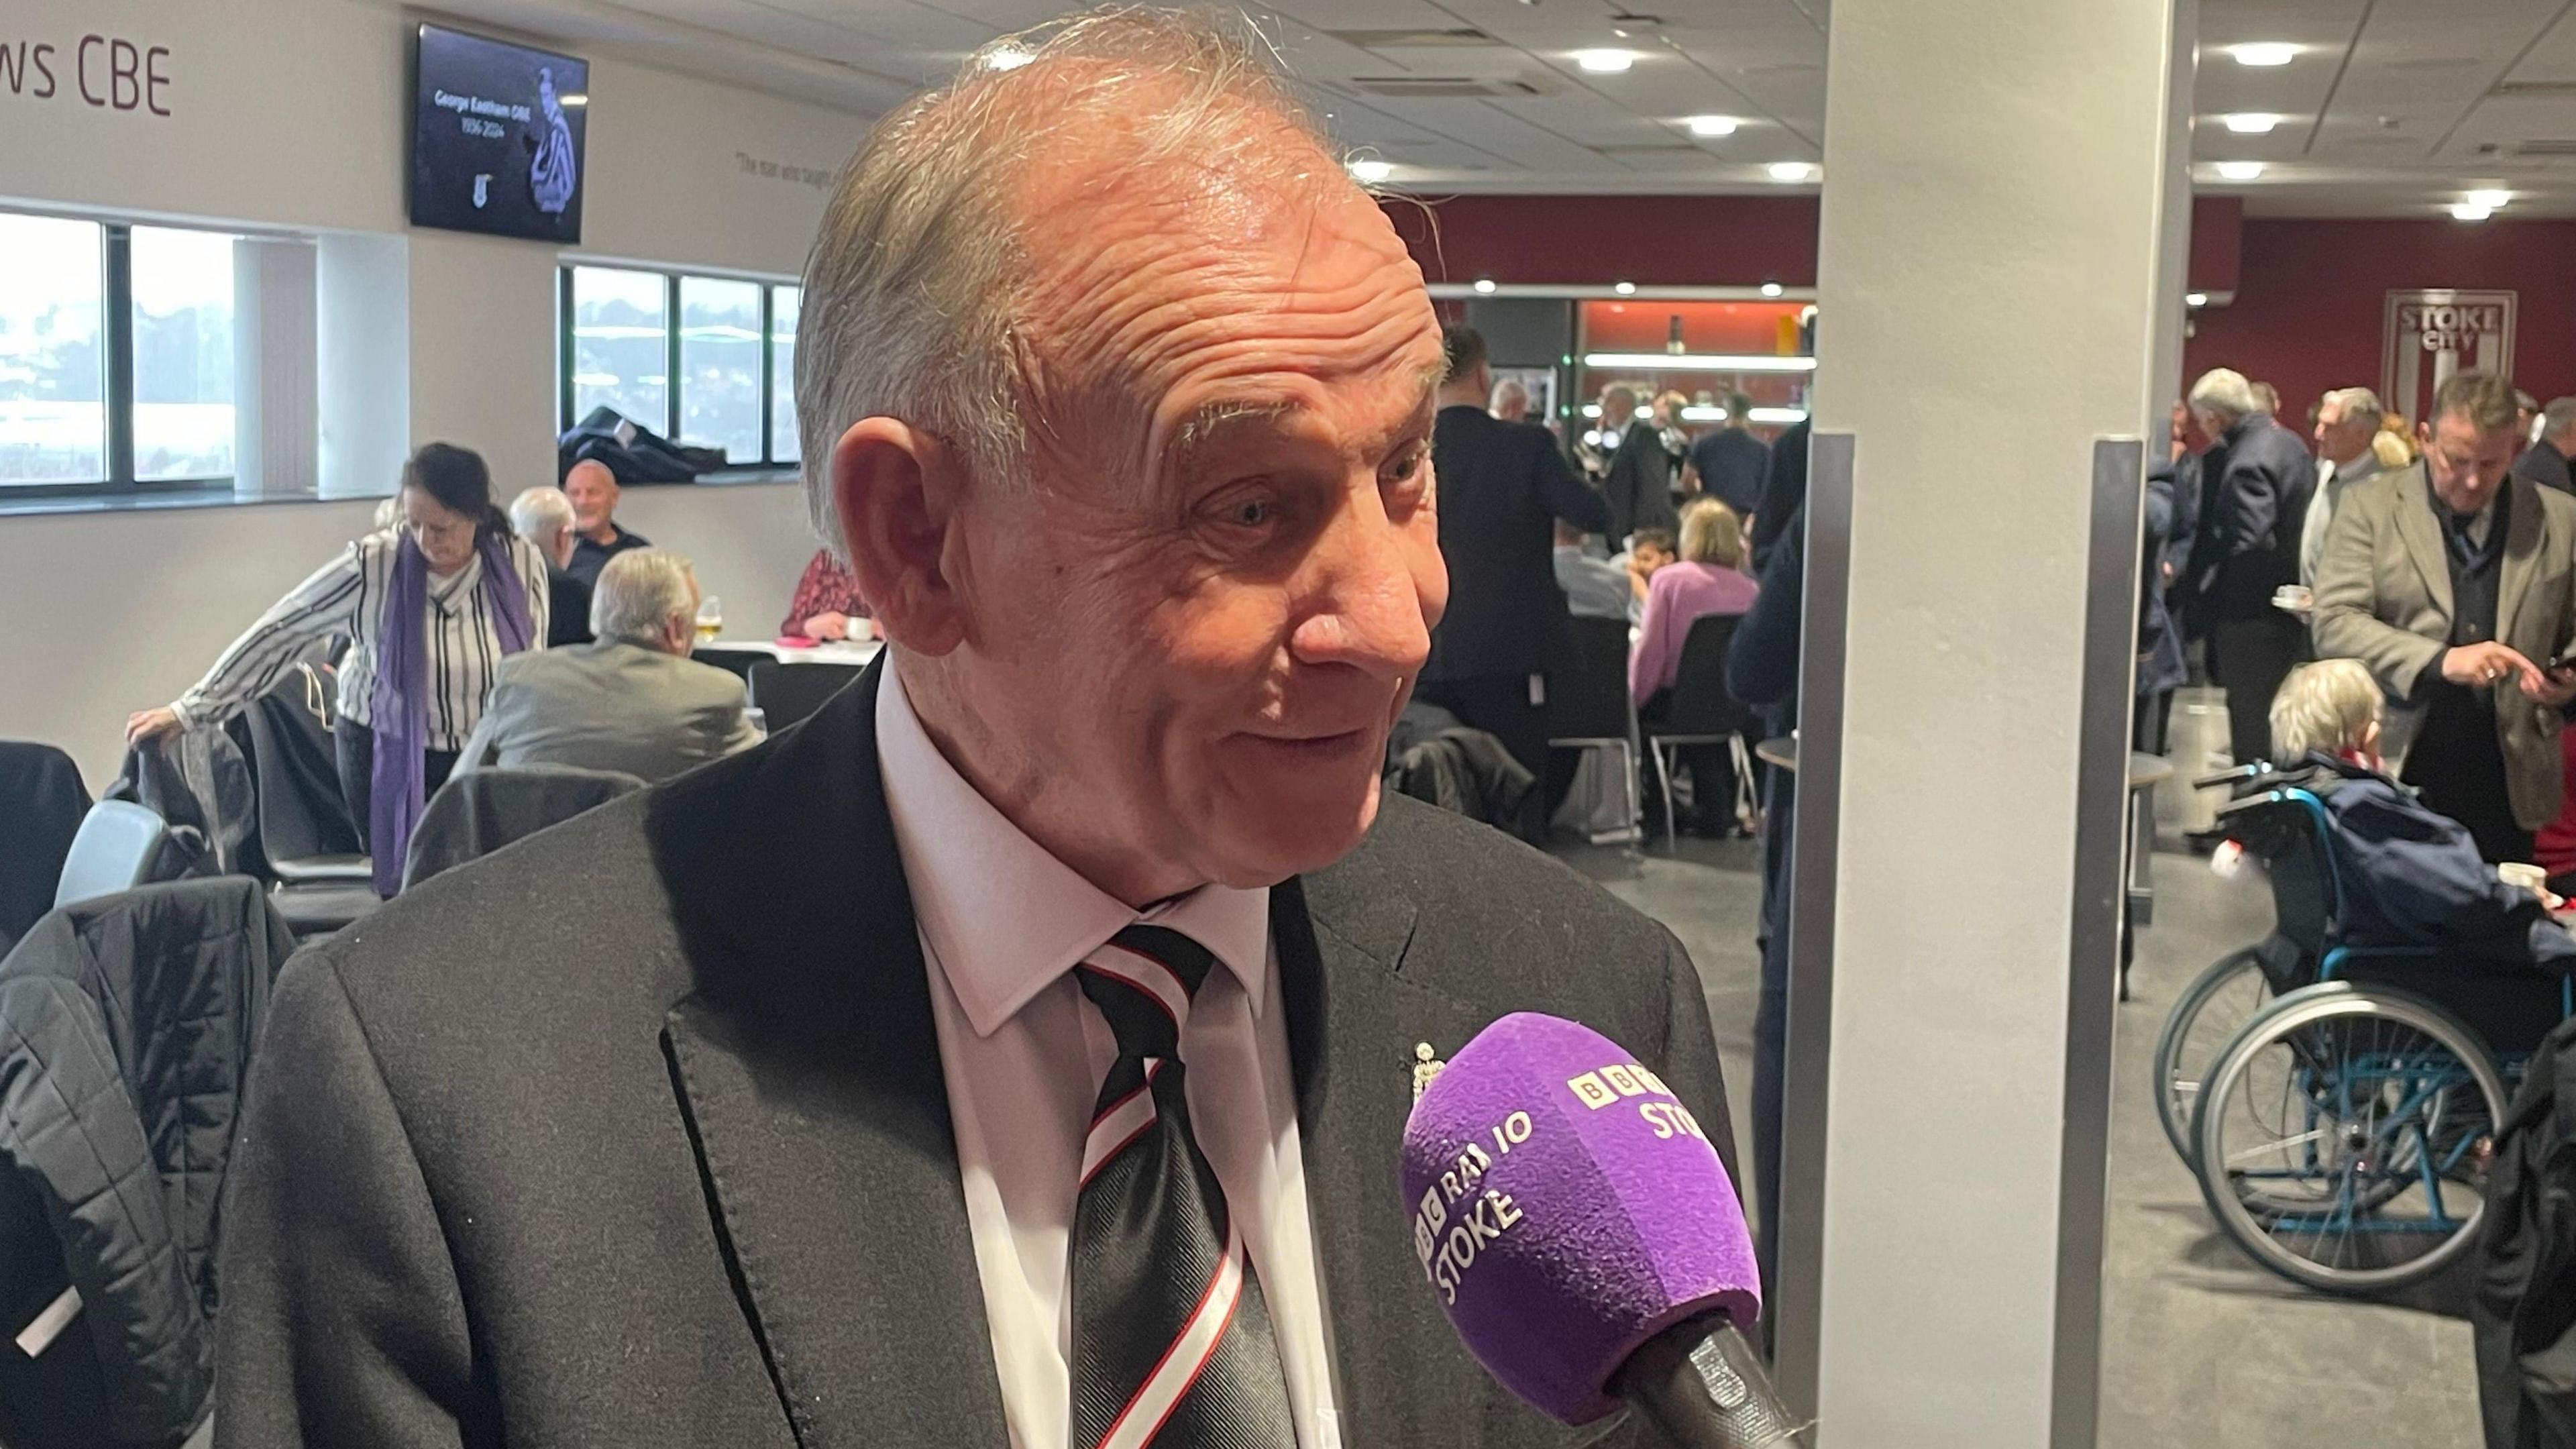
x=400, y=699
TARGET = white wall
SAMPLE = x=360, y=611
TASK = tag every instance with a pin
x=292, y=116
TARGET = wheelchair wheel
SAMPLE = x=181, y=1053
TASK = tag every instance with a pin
x=2204, y=1019
x=2343, y=1138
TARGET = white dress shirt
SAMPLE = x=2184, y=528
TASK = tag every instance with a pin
x=1002, y=925
x=2332, y=479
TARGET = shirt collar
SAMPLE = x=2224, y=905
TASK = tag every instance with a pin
x=1003, y=917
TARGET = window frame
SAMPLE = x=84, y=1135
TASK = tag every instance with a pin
x=116, y=342
x=675, y=381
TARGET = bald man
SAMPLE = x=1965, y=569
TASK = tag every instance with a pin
x=593, y=490
x=1017, y=1050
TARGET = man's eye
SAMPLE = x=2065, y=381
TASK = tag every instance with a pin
x=1252, y=513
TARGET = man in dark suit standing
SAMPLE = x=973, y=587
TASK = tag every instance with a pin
x=1638, y=483
x=1501, y=485
x=1018, y=1050
x=1728, y=463
x=2256, y=479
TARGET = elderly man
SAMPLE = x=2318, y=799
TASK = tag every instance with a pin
x=2458, y=589
x=913, y=1079
x=1510, y=402
x=593, y=490
x=632, y=701
x=1638, y=479
x=544, y=517
x=2347, y=420
x=2255, y=481
x=2546, y=460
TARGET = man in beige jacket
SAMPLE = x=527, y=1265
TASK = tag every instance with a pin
x=2456, y=584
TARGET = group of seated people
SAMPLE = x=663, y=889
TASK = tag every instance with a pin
x=544, y=636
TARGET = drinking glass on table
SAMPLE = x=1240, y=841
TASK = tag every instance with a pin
x=710, y=618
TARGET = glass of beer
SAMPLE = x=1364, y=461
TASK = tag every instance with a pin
x=710, y=618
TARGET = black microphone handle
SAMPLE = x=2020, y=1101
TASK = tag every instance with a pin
x=1700, y=1385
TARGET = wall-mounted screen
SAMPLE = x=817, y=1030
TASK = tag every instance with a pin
x=497, y=135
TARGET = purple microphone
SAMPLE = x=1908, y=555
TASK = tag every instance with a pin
x=1581, y=1233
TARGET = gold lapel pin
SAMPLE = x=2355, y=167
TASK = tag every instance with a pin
x=1425, y=1067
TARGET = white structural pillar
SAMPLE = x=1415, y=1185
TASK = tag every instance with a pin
x=1994, y=294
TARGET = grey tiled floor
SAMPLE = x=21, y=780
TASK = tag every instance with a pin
x=2200, y=1347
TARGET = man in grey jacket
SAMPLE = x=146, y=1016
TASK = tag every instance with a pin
x=633, y=700
x=2456, y=585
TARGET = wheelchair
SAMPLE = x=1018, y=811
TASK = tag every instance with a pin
x=2338, y=1102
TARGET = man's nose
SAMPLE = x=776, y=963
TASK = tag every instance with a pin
x=1383, y=586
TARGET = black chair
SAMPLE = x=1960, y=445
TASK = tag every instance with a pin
x=315, y=854
x=786, y=693
x=1700, y=711
x=478, y=811
x=42, y=801
x=1588, y=707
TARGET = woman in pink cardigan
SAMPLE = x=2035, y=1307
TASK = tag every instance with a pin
x=1708, y=578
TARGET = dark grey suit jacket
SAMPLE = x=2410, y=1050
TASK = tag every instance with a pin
x=668, y=1161
x=608, y=705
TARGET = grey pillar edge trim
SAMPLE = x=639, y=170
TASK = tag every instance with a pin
x=1826, y=619
x=2093, y=947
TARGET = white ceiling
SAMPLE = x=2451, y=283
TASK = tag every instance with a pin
x=2392, y=107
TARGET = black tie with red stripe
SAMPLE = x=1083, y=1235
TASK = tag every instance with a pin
x=1172, y=1344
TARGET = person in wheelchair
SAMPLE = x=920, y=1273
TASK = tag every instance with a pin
x=2414, y=876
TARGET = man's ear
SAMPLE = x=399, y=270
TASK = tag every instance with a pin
x=896, y=489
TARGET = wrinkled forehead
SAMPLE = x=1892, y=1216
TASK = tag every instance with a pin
x=1165, y=296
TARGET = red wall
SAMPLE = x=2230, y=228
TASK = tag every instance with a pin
x=1654, y=241
x=2311, y=300
x=2309, y=295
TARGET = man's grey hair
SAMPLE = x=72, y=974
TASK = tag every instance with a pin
x=1620, y=393
x=639, y=593
x=2355, y=405
x=2224, y=392
x=536, y=514
x=913, y=288
x=2557, y=418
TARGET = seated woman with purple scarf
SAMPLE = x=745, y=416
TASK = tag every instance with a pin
x=431, y=606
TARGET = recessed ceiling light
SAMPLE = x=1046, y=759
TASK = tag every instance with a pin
x=1790, y=172
x=1007, y=57
x=1484, y=284
x=1772, y=289
x=2470, y=211
x=2491, y=200
x=1605, y=62
x=2264, y=54
x=2239, y=170
x=1712, y=125
x=2252, y=123
x=2195, y=299
x=1372, y=171
x=1625, y=289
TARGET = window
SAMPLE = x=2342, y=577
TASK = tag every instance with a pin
x=183, y=354
x=53, y=359
x=705, y=361
x=783, y=304
x=621, y=353
x=720, y=366
x=116, y=355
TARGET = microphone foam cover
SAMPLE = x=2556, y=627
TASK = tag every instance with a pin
x=1566, y=1209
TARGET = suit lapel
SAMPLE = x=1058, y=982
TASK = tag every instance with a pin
x=806, y=1065
x=2423, y=535
x=1353, y=1023
x=2521, y=554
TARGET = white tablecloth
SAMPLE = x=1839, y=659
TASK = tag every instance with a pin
x=835, y=653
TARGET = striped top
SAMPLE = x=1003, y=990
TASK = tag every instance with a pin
x=347, y=596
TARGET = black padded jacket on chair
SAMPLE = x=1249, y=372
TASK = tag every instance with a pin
x=2524, y=1314
x=42, y=801
x=126, y=1030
